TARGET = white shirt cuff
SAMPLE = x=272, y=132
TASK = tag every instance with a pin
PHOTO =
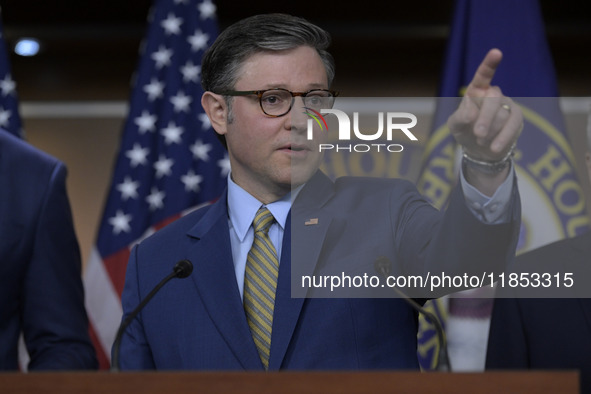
x=490, y=210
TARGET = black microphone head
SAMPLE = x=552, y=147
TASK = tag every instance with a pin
x=183, y=268
x=382, y=265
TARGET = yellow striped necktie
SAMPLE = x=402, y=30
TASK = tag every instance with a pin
x=260, y=282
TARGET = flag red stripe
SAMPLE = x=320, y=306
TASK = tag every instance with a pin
x=116, y=265
x=166, y=221
x=101, y=354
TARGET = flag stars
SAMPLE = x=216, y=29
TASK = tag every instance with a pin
x=198, y=40
x=7, y=85
x=120, y=222
x=154, y=89
x=224, y=165
x=181, y=102
x=192, y=181
x=206, y=9
x=137, y=155
x=190, y=72
x=172, y=25
x=163, y=166
x=200, y=150
x=155, y=199
x=5, y=117
x=162, y=57
x=172, y=133
x=128, y=189
x=146, y=122
x=204, y=119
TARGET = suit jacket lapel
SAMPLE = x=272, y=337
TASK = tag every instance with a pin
x=305, y=231
x=215, y=281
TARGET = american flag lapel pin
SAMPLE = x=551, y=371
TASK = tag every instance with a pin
x=311, y=222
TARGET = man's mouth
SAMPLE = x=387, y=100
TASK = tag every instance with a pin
x=297, y=150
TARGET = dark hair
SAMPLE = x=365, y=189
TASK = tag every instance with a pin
x=267, y=32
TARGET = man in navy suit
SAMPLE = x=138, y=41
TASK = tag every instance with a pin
x=41, y=292
x=543, y=333
x=260, y=76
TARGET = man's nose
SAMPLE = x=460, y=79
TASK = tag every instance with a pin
x=297, y=115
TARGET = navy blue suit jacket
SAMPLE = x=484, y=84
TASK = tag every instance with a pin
x=542, y=333
x=40, y=285
x=199, y=322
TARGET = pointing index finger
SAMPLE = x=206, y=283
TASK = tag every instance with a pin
x=484, y=74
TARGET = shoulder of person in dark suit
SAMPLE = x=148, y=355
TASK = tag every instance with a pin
x=41, y=262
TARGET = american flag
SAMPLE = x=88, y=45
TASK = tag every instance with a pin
x=169, y=160
x=9, y=115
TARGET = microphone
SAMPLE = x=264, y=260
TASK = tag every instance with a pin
x=382, y=266
x=181, y=270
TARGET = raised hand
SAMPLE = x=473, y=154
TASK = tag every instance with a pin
x=487, y=123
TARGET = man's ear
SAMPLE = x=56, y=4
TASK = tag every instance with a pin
x=216, y=109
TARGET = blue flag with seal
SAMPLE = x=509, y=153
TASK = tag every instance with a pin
x=544, y=161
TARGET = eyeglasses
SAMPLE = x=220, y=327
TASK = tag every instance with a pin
x=278, y=102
